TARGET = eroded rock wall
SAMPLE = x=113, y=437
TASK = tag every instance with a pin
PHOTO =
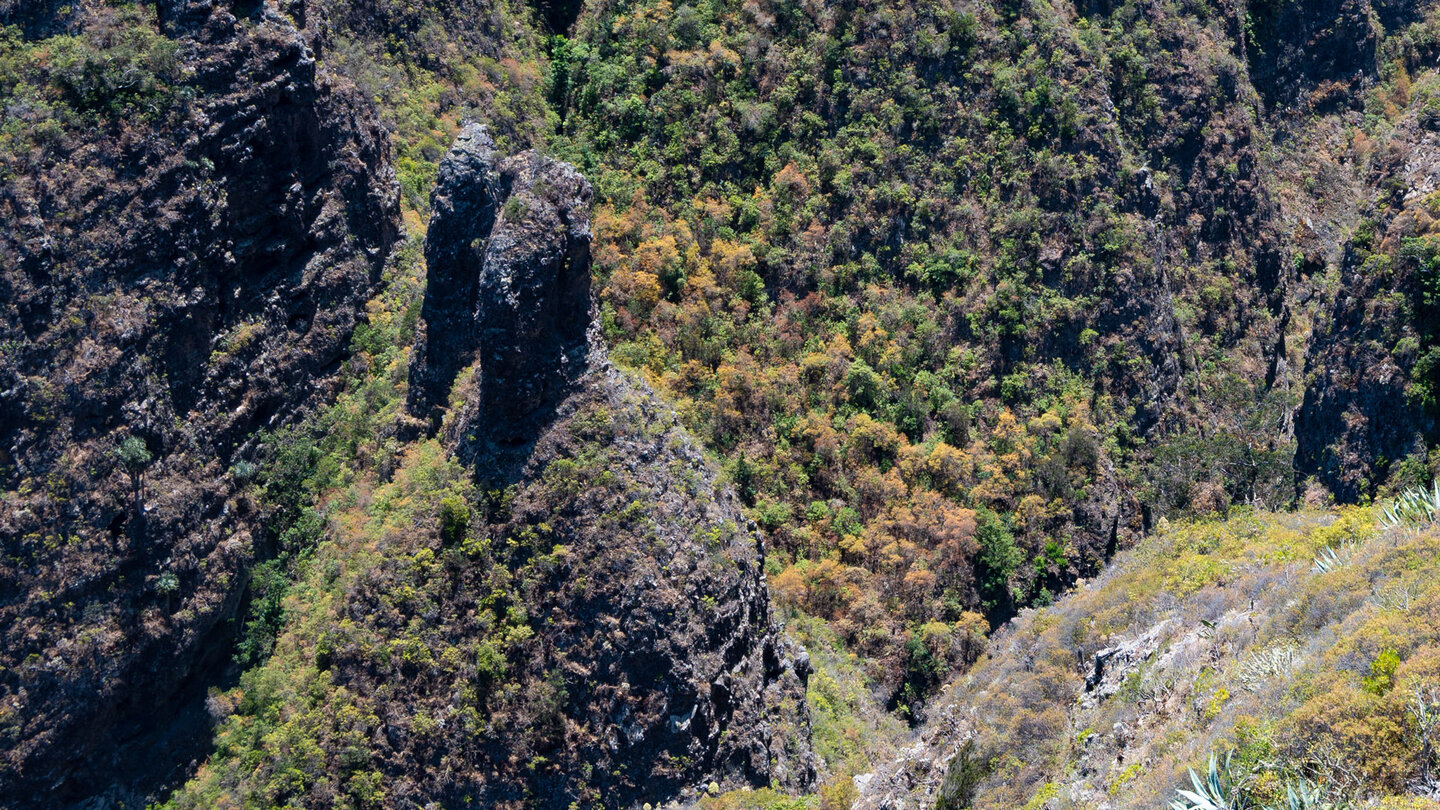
x=508, y=267
x=185, y=281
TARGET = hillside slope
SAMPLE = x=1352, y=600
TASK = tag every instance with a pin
x=1070, y=267
x=312, y=447
x=1300, y=649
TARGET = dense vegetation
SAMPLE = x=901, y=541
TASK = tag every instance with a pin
x=949, y=316
x=118, y=67
x=962, y=293
x=440, y=623
x=964, y=298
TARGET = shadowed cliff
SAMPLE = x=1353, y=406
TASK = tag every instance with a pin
x=188, y=242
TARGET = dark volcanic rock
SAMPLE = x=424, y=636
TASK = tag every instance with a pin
x=652, y=628
x=508, y=258
x=184, y=278
x=649, y=663
x=464, y=209
x=685, y=677
x=1309, y=55
x=1361, y=415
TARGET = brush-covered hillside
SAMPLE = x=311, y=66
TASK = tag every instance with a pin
x=743, y=403
x=1284, y=660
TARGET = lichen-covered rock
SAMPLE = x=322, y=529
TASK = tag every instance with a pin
x=1112, y=665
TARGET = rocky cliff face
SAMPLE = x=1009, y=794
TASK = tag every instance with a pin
x=1367, y=408
x=658, y=667
x=1370, y=405
x=180, y=276
x=508, y=260
x=190, y=296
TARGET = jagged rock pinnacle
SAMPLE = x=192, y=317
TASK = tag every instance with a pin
x=508, y=262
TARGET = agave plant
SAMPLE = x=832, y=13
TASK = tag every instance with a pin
x=1425, y=709
x=1214, y=791
x=1329, y=560
x=1304, y=795
x=1218, y=789
x=1262, y=666
x=1415, y=508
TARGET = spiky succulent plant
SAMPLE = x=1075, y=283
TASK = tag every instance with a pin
x=1213, y=791
x=1413, y=509
x=1329, y=560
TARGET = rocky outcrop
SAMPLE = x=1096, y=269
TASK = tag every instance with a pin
x=464, y=205
x=655, y=667
x=508, y=263
x=1296, y=47
x=1112, y=665
x=690, y=677
x=182, y=277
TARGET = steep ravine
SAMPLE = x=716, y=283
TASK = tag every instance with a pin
x=207, y=294
x=834, y=289
x=655, y=607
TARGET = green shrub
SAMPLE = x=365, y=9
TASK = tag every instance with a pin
x=997, y=562
x=1382, y=673
x=119, y=66
x=454, y=520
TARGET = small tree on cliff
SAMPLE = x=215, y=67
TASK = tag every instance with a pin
x=167, y=584
x=134, y=457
